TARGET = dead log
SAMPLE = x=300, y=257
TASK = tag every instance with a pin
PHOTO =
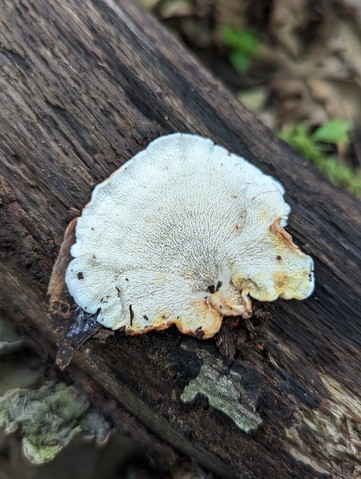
x=84, y=86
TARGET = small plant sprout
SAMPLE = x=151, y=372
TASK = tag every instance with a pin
x=184, y=233
x=244, y=46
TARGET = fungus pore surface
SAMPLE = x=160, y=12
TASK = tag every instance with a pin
x=184, y=233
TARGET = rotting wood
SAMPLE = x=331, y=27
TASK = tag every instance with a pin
x=83, y=87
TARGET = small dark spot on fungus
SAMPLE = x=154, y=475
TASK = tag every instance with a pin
x=278, y=257
x=80, y=275
x=94, y=257
x=92, y=228
x=118, y=291
x=145, y=317
x=131, y=312
x=126, y=279
x=211, y=289
x=219, y=284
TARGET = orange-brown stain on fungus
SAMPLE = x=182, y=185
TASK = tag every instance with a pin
x=282, y=233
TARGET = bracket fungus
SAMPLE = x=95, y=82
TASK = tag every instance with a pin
x=184, y=233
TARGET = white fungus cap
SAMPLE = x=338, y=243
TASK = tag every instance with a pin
x=184, y=233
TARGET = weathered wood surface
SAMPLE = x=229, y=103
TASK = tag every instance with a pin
x=83, y=87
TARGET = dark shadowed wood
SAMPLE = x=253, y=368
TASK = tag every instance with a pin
x=83, y=87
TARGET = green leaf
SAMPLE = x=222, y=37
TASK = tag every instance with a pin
x=239, y=61
x=299, y=137
x=244, y=41
x=333, y=131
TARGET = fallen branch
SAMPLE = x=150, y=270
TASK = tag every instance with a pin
x=84, y=87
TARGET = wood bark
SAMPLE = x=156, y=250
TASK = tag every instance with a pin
x=86, y=85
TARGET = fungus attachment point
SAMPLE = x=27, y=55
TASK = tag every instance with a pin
x=184, y=233
x=230, y=302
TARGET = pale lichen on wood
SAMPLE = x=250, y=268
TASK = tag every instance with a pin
x=225, y=391
x=48, y=418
